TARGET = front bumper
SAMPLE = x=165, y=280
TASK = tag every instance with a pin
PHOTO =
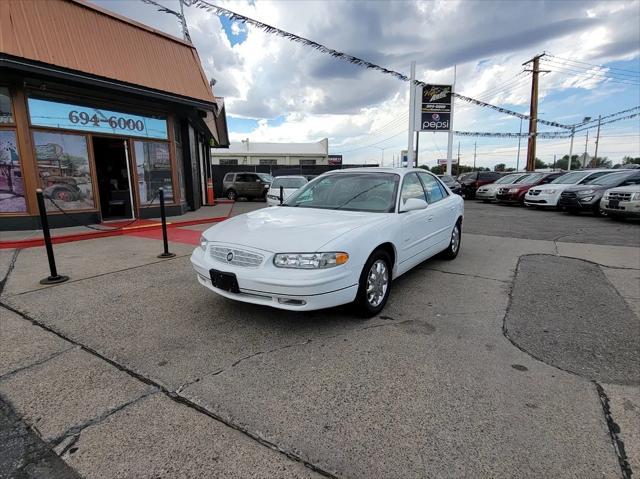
x=576, y=203
x=542, y=199
x=509, y=197
x=485, y=194
x=630, y=209
x=293, y=290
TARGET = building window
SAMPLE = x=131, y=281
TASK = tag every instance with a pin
x=153, y=166
x=308, y=162
x=6, y=114
x=227, y=162
x=268, y=162
x=11, y=185
x=63, y=168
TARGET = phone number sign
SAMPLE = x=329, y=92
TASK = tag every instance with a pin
x=67, y=116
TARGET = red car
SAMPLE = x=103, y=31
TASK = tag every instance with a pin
x=515, y=193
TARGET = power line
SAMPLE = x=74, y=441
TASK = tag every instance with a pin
x=593, y=65
x=592, y=71
x=373, y=144
x=589, y=75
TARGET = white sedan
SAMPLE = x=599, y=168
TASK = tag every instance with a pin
x=340, y=239
x=289, y=185
x=548, y=195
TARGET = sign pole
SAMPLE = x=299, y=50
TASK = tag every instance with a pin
x=450, y=139
x=412, y=115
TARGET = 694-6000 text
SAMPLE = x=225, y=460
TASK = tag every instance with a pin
x=83, y=118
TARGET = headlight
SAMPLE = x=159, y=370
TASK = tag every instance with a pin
x=635, y=197
x=586, y=192
x=586, y=198
x=203, y=243
x=310, y=260
x=513, y=190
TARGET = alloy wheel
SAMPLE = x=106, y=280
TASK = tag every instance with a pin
x=377, y=283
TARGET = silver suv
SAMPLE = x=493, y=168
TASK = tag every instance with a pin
x=249, y=185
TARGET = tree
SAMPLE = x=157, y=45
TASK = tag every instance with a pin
x=627, y=160
x=600, y=162
x=563, y=162
x=541, y=164
x=499, y=167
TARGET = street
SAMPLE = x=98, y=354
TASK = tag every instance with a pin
x=517, y=359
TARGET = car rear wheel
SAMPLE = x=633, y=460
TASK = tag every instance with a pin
x=375, y=284
x=454, y=244
x=232, y=195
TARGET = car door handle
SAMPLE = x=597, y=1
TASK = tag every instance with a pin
x=429, y=218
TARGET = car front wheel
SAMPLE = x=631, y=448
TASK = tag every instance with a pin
x=375, y=284
x=454, y=244
x=232, y=195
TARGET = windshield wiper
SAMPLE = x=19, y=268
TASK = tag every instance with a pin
x=361, y=193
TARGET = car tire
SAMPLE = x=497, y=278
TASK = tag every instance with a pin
x=597, y=211
x=232, y=195
x=455, y=243
x=377, y=266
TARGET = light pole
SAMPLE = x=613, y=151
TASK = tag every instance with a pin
x=519, y=139
x=573, y=132
x=381, y=154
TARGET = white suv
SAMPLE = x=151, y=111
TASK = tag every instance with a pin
x=622, y=202
x=549, y=194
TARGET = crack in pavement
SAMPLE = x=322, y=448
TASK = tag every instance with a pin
x=464, y=274
x=614, y=433
x=176, y=397
x=75, y=431
x=37, y=363
x=12, y=265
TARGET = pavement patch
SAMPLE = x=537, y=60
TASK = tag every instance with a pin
x=566, y=313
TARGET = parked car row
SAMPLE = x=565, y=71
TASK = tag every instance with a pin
x=599, y=191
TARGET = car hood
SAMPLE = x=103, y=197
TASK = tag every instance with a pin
x=290, y=229
x=577, y=188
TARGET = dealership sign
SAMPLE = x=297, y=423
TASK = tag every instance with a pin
x=435, y=108
x=443, y=161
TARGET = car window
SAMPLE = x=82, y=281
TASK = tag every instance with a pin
x=293, y=182
x=435, y=192
x=411, y=188
x=265, y=177
x=228, y=177
x=242, y=178
x=609, y=179
x=570, y=178
x=594, y=175
x=634, y=180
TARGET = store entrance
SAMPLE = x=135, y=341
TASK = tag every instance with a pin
x=114, y=178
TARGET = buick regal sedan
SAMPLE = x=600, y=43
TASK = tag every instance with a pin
x=339, y=239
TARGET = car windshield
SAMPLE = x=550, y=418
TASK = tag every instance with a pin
x=506, y=179
x=570, y=178
x=447, y=179
x=608, y=179
x=264, y=177
x=372, y=192
x=285, y=182
x=534, y=178
x=524, y=179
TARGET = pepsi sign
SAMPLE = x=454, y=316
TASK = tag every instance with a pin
x=435, y=108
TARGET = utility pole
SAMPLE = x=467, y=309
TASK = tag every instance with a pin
x=554, y=162
x=573, y=132
x=458, y=158
x=417, y=145
x=533, y=112
x=475, y=144
x=595, y=155
x=519, y=138
x=584, y=158
x=412, y=115
x=449, y=170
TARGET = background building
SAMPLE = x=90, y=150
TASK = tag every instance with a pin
x=247, y=152
x=99, y=111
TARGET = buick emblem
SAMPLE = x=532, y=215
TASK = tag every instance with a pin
x=230, y=256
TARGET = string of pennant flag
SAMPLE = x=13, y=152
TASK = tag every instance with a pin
x=237, y=17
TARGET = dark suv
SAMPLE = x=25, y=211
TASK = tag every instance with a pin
x=587, y=196
x=470, y=182
x=246, y=184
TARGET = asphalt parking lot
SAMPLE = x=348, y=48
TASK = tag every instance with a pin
x=518, y=359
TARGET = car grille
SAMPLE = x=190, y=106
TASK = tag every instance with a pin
x=619, y=196
x=238, y=257
x=503, y=191
x=568, y=195
x=534, y=192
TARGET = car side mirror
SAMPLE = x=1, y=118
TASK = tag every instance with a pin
x=413, y=204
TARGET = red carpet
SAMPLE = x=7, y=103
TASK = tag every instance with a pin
x=176, y=235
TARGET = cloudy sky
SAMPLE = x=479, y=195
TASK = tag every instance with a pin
x=276, y=90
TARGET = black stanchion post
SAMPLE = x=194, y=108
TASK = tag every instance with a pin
x=281, y=194
x=165, y=241
x=54, y=277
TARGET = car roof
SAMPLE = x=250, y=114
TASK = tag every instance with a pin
x=379, y=169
